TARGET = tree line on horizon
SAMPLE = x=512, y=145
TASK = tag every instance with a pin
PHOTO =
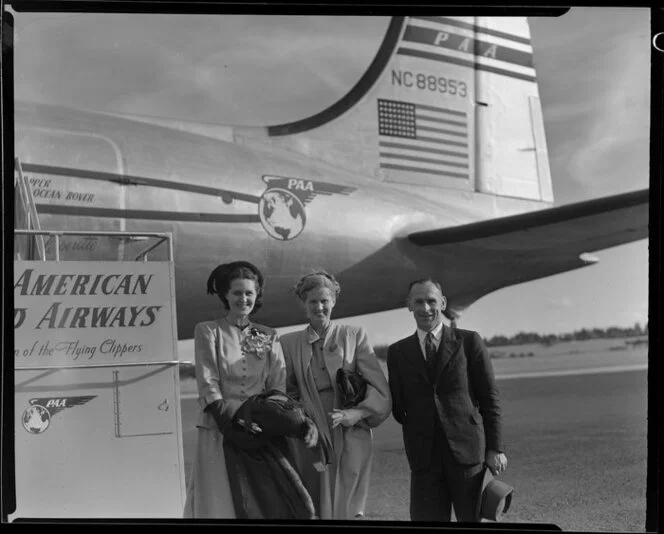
x=523, y=338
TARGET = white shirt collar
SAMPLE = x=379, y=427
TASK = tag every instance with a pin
x=437, y=334
x=312, y=335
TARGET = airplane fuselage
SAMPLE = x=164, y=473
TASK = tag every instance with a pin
x=223, y=201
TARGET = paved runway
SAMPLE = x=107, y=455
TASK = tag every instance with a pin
x=576, y=445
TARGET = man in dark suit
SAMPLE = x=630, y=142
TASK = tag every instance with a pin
x=444, y=396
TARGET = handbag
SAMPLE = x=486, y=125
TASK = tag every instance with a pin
x=351, y=386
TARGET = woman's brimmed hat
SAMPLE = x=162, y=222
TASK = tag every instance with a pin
x=494, y=497
x=218, y=282
x=230, y=267
x=221, y=273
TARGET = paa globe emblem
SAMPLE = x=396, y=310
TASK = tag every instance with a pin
x=36, y=419
x=282, y=214
x=281, y=206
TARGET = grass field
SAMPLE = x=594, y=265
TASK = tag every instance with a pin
x=577, y=445
x=578, y=462
x=595, y=346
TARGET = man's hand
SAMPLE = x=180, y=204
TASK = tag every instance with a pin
x=346, y=417
x=496, y=461
x=311, y=437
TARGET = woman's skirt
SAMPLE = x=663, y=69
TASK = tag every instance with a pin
x=341, y=491
x=208, y=492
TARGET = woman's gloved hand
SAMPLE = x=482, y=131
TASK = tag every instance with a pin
x=231, y=430
x=217, y=409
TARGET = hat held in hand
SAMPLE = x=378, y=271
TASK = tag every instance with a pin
x=494, y=497
x=273, y=413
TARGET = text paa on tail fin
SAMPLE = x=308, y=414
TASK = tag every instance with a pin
x=448, y=102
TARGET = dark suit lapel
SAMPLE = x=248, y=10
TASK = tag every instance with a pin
x=449, y=346
x=415, y=356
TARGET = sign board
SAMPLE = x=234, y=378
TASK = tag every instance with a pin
x=92, y=313
x=97, y=403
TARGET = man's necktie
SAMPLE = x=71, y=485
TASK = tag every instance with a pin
x=429, y=348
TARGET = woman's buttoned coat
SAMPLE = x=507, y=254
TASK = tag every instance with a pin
x=340, y=491
x=224, y=372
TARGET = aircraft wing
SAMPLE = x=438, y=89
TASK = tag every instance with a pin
x=478, y=258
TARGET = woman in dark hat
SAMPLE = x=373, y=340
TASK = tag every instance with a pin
x=236, y=359
x=326, y=363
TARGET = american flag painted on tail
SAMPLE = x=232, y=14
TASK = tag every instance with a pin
x=423, y=139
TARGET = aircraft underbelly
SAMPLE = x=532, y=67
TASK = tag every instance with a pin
x=200, y=248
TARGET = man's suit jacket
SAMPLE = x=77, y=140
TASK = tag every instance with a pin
x=463, y=397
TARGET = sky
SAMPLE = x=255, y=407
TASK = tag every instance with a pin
x=593, y=68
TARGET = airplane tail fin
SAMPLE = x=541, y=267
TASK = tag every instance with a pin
x=448, y=102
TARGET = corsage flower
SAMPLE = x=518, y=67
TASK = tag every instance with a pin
x=256, y=343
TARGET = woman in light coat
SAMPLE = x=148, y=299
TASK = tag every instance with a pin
x=235, y=359
x=313, y=357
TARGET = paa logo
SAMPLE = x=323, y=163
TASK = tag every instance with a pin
x=281, y=206
x=37, y=417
